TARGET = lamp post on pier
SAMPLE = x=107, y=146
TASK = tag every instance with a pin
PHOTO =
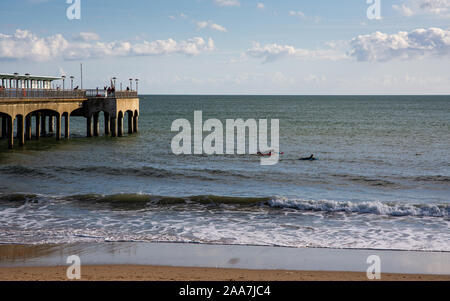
x=64, y=81
x=137, y=80
x=131, y=84
x=71, y=82
x=16, y=77
x=27, y=85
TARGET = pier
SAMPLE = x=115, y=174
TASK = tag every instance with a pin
x=30, y=108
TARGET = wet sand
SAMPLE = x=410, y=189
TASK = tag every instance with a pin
x=160, y=273
x=198, y=262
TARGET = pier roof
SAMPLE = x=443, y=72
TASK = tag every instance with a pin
x=30, y=77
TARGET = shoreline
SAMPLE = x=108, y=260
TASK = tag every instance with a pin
x=200, y=262
x=170, y=273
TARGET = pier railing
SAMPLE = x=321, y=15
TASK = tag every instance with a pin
x=126, y=94
x=63, y=94
x=105, y=94
x=41, y=93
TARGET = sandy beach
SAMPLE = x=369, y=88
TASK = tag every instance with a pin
x=161, y=273
x=196, y=262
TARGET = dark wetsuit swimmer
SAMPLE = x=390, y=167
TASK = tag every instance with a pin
x=310, y=158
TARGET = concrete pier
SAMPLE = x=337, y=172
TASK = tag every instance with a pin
x=44, y=109
x=58, y=126
x=38, y=125
x=96, y=124
x=120, y=125
x=20, y=130
x=28, y=133
x=50, y=124
x=130, y=123
x=89, y=126
x=67, y=126
x=4, y=126
x=135, y=123
x=43, y=129
x=10, y=134
x=107, y=122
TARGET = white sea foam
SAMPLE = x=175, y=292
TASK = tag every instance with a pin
x=379, y=208
x=307, y=223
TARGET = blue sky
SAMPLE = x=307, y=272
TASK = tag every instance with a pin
x=235, y=46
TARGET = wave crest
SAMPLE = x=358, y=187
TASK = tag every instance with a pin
x=376, y=207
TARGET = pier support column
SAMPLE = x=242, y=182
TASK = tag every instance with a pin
x=38, y=125
x=113, y=126
x=135, y=123
x=21, y=130
x=28, y=127
x=89, y=126
x=130, y=123
x=67, y=126
x=50, y=124
x=120, y=125
x=96, y=127
x=43, y=127
x=10, y=125
x=58, y=126
x=107, y=124
x=4, y=126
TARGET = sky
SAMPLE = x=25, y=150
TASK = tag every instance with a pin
x=234, y=46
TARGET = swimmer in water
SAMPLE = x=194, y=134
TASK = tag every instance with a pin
x=310, y=158
x=270, y=153
x=264, y=155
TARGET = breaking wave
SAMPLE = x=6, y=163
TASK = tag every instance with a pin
x=379, y=208
x=130, y=201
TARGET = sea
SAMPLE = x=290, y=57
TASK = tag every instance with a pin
x=381, y=179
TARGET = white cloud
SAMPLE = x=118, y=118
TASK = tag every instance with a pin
x=227, y=3
x=416, y=7
x=210, y=25
x=403, y=9
x=297, y=13
x=378, y=46
x=302, y=15
x=272, y=52
x=218, y=27
x=87, y=36
x=24, y=45
x=418, y=43
x=192, y=46
x=202, y=24
x=435, y=6
x=260, y=5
